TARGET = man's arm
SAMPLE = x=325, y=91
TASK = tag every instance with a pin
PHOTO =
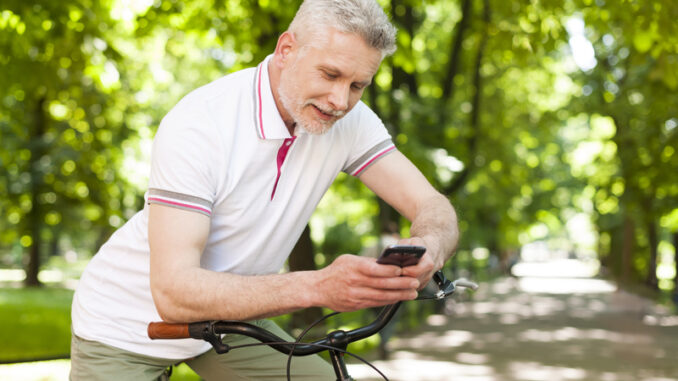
x=434, y=223
x=185, y=292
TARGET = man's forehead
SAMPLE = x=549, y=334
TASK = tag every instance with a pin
x=329, y=37
x=345, y=52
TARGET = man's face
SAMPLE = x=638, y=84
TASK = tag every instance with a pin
x=326, y=78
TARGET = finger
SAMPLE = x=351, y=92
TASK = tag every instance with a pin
x=379, y=270
x=353, y=264
x=423, y=271
x=393, y=283
x=372, y=298
x=424, y=266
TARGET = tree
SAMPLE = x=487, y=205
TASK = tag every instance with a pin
x=60, y=139
x=632, y=85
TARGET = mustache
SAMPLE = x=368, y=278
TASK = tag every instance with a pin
x=327, y=110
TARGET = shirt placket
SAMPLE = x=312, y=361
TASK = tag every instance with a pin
x=280, y=160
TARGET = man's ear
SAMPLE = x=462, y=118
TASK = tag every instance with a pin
x=285, y=48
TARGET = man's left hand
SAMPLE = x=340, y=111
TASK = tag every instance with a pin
x=423, y=270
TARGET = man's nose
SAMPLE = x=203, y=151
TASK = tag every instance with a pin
x=338, y=98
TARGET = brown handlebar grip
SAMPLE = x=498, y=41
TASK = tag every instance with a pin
x=162, y=330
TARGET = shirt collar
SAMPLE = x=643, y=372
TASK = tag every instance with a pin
x=267, y=119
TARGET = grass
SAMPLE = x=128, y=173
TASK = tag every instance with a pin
x=36, y=323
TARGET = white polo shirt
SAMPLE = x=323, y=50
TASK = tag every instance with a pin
x=222, y=151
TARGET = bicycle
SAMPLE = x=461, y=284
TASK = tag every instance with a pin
x=336, y=342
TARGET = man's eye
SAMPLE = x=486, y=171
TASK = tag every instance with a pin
x=329, y=75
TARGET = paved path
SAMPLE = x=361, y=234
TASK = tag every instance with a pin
x=542, y=329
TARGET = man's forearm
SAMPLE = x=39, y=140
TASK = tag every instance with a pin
x=349, y=283
x=436, y=223
x=199, y=294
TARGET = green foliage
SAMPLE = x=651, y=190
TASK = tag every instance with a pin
x=341, y=239
x=484, y=97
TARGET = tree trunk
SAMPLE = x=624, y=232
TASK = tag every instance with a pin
x=613, y=260
x=388, y=218
x=675, y=262
x=34, y=252
x=302, y=259
x=456, y=50
x=54, y=245
x=629, y=240
x=407, y=24
x=474, y=119
x=605, y=254
x=653, y=239
x=35, y=216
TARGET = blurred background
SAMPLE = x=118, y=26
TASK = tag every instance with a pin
x=550, y=125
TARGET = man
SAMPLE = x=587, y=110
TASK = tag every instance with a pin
x=238, y=167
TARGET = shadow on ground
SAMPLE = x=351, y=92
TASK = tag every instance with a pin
x=539, y=328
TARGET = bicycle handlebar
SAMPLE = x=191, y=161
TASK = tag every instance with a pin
x=210, y=331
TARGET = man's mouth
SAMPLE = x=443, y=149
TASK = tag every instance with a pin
x=328, y=114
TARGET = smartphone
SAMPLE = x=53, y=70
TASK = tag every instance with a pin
x=401, y=255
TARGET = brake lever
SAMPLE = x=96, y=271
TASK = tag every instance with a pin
x=465, y=283
x=447, y=287
x=442, y=283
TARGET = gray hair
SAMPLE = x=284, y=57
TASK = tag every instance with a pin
x=365, y=18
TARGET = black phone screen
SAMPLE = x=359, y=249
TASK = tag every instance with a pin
x=401, y=255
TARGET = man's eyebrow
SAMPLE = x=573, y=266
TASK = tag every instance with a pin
x=330, y=69
x=335, y=71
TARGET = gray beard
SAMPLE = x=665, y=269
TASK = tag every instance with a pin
x=295, y=114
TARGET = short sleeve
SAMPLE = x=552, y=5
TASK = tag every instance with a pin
x=370, y=141
x=184, y=164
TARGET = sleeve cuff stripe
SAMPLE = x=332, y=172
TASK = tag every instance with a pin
x=181, y=205
x=357, y=164
x=373, y=159
x=180, y=197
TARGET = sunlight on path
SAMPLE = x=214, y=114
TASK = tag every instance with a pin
x=565, y=285
x=553, y=321
x=406, y=366
x=557, y=268
x=561, y=276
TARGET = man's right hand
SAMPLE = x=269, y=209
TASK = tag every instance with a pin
x=352, y=282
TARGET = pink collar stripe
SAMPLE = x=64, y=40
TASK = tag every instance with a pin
x=259, y=104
